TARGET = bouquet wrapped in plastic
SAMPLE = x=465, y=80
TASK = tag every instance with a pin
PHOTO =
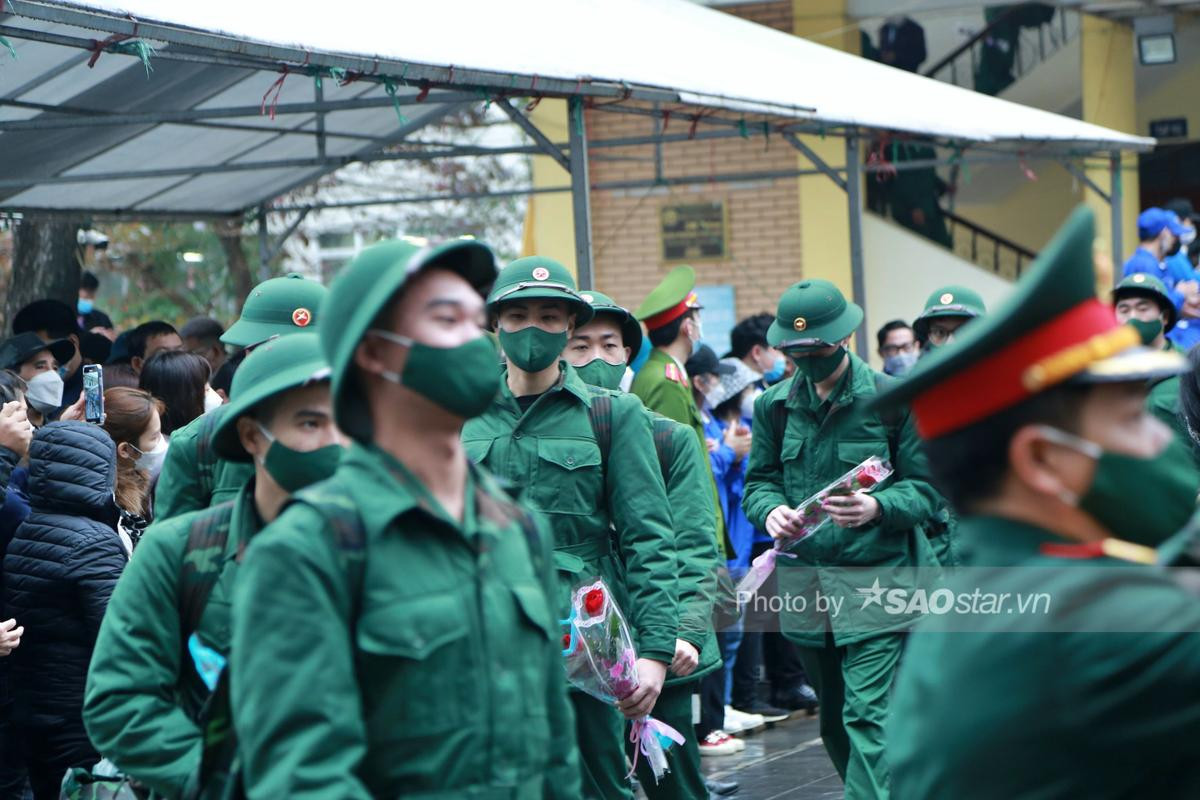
x=601, y=660
x=863, y=478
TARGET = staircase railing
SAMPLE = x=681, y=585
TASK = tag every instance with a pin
x=1035, y=45
x=987, y=249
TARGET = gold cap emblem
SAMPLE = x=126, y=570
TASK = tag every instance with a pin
x=587, y=298
x=541, y=273
x=800, y=323
x=1139, y=277
x=946, y=299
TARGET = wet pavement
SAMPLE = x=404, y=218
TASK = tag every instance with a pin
x=786, y=762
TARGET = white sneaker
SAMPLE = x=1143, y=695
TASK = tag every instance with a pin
x=737, y=722
x=741, y=745
x=718, y=744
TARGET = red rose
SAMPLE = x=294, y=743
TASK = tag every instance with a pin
x=866, y=480
x=566, y=640
x=593, y=601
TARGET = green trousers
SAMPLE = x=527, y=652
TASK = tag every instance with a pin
x=685, y=781
x=854, y=685
x=600, y=734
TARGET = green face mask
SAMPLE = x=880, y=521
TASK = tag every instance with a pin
x=462, y=380
x=599, y=372
x=1166, y=491
x=295, y=469
x=532, y=349
x=818, y=368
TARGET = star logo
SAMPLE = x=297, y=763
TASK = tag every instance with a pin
x=871, y=594
x=541, y=273
x=947, y=299
x=301, y=317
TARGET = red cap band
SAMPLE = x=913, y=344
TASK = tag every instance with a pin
x=673, y=313
x=997, y=382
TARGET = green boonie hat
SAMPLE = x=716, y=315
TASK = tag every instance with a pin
x=813, y=313
x=674, y=296
x=276, y=308
x=364, y=288
x=1139, y=284
x=631, y=331
x=949, y=301
x=1051, y=330
x=273, y=368
x=540, y=278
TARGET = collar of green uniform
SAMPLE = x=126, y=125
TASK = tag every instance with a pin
x=245, y=523
x=370, y=469
x=1001, y=541
x=568, y=380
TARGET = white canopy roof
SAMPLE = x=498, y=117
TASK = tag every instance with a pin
x=669, y=50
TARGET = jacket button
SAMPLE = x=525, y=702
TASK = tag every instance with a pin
x=517, y=435
x=570, y=461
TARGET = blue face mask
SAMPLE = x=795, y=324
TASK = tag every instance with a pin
x=775, y=373
x=84, y=306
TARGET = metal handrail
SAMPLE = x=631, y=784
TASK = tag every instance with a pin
x=988, y=252
x=951, y=59
x=969, y=43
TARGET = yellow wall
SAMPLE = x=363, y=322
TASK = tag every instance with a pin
x=824, y=221
x=549, y=222
x=1109, y=99
x=1032, y=211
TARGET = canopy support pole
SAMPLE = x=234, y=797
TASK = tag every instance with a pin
x=1082, y=177
x=267, y=249
x=858, y=282
x=580, y=193
x=533, y=132
x=816, y=160
x=1115, y=203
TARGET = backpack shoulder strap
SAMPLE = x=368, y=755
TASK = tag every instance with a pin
x=664, y=443
x=492, y=500
x=206, y=455
x=349, y=535
x=600, y=416
x=203, y=558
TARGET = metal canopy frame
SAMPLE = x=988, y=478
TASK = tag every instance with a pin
x=437, y=91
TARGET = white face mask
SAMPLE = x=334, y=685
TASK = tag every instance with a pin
x=748, y=404
x=151, y=461
x=211, y=399
x=45, y=391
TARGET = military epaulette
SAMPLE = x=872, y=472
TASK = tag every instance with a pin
x=674, y=373
x=1112, y=548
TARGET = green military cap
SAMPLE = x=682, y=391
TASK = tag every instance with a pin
x=276, y=307
x=631, y=331
x=949, y=301
x=541, y=278
x=365, y=287
x=1051, y=330
x=813, y=313
x=273, y=368
x=1139, y=284
x=674, y=296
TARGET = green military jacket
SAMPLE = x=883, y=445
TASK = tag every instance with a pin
x=1093, y=690
x=673, y=399
x=817, y=445
x=686, y=474
x=1163, y=402
x=144, y=697
x=426, y=663
x=551, y=453
x=192, y=476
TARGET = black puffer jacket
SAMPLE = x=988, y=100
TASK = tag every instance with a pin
x=60, y=569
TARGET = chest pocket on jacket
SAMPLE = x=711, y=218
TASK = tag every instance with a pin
x=793, y=475
x=567, y=478
x=411, y=664
x=851, y=454
x=477, y=450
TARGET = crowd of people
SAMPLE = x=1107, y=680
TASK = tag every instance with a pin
x=332, y=551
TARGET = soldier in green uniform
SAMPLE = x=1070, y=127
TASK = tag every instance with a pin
x=1036, y=427
x=946, y=310
x=393, y=630
x=194, y=476
x=599, y=351
x=809, y=430
x=1144, y=297
x=671, y=314
x=585, y=459
x=171, y=610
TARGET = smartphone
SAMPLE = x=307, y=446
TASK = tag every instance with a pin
x=93, y=393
